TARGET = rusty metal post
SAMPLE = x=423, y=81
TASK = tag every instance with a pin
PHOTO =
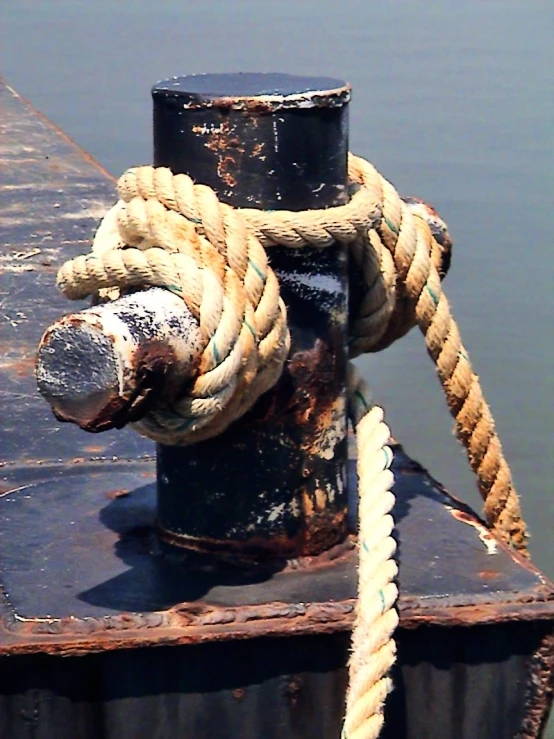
x=273, y=485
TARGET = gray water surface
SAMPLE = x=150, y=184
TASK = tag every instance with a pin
x=453, y=102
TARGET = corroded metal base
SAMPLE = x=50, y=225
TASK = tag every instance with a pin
x=78, y=548
x=83, y=578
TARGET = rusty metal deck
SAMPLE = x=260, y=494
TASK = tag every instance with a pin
x=79, y=573
x=63, y=491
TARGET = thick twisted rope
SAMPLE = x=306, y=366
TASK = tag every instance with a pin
x=167, y=231
x=373, y=648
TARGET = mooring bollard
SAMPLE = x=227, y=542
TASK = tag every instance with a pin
x=260, y=141
x=104, y=636
x=274, y=484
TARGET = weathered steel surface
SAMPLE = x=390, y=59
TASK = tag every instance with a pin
x=275, y=141
x=269, y=687
x=52, y=199
x=82, y=578
x=106, y=366
x=460, y=683
x=85, y=596
x=92, y=528
x=274, y=484
x=265, y=688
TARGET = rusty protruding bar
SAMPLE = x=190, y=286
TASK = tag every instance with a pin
x=273, y=485
x=106, y=366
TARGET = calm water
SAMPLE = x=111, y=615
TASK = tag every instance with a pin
x=452, y=101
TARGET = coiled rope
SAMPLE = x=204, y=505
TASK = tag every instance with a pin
x=167, y=231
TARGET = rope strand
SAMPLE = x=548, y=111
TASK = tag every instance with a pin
x=373, y=648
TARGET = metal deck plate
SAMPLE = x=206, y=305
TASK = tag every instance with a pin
x=53, y=196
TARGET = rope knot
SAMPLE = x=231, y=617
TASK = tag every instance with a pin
x=170, y=232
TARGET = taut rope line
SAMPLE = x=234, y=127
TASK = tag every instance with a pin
x=167, y=231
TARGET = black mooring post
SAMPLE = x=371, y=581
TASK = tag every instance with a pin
x=274, y=484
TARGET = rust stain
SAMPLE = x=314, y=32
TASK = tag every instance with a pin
x=196, y=623
x=412, y=615
x=20, y=366
x=318, y=535
x=343, y=552
x=201, y=621
x=94, y=449
x=488, y=574
x=540, y=689
x=293, y=689
x=228, y=148
x=317, y=399
x=303, y=410
x=255, y=106
x=269, y=104
x=310, y=374
x=308, y=507
x=114, y=494
x=324, y=530
x=153, y=361
x=86, y=638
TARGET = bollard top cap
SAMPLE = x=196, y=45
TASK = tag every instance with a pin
x=241, y=90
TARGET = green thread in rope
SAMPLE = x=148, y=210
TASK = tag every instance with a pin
x=432, y=294
x=216, y=354
x=463, y=355
x=187, y=423
x=391, y=225
x=362, y=400
x=174, y=289
x=249, y=327
x=257, y=270
x=388, y=456
x=383, y=602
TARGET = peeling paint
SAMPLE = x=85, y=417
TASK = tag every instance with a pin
x=484, y=534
